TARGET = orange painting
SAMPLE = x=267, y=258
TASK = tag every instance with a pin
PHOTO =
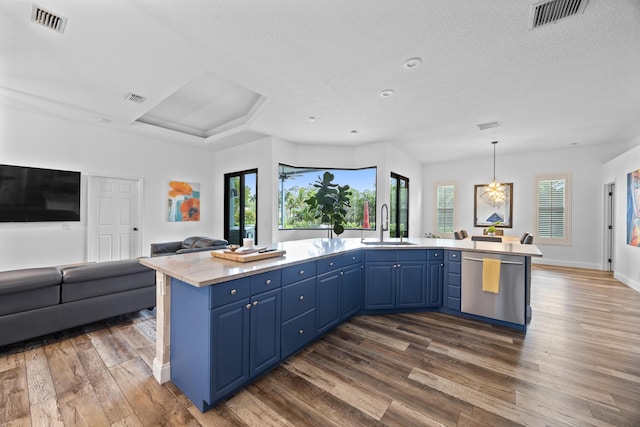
x=183, y=201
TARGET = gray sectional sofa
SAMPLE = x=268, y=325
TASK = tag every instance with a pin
x=188, y=245
x=39, y=301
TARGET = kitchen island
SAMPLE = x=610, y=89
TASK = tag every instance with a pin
x=222, y=323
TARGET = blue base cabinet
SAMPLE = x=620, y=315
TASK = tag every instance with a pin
x=452, y=281
x=225, y=335
x=395, y=279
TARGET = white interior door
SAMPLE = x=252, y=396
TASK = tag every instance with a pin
x=113, y=220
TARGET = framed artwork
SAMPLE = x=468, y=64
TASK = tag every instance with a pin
x=183, y=201
x=487, y=212
x=633, y=208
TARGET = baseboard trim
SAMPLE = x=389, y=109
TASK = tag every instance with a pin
x=162, y=373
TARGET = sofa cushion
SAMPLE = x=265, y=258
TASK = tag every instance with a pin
x=190, y=241
x=22, y=290
x=93, y=280
x=207, y=243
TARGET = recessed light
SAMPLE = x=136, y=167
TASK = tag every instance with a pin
x=387, y=93
x=412, y=63
x=312, y=118
x=353, y=131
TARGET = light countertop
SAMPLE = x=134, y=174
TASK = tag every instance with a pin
x=201, y=269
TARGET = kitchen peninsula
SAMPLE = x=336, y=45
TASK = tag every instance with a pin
x=221, y=323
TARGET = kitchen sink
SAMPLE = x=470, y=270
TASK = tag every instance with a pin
x=388, y=243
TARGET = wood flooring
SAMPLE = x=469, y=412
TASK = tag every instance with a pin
x=578, y=365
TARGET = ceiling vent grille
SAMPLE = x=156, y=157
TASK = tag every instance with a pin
x=47, y=19
x=549, y=12
x=139, y=99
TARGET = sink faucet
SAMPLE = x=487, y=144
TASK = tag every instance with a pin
x=384, y=220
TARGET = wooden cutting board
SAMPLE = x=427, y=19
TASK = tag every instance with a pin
x=254, y=256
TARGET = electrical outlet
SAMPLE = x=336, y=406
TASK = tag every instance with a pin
x=66, y=226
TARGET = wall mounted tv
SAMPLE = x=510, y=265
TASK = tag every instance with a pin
x=38, y=195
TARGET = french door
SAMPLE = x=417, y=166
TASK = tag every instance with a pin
x=241, y=206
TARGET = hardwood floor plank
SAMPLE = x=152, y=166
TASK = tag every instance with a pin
x=84, y=410
x=69, y=377
x=130, y=421
x=109, y=395
x=41, y=386
x=46, y=413
x=253, y=412
x=11, y=360
x=14, y=396
x=111, y=346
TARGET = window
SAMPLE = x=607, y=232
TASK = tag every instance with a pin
x=445, y=215
x=296, y=185
x=553, y=209
x=241, y=206
x=399, y=206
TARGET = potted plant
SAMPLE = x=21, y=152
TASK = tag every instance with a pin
x=491, y=230
x=330, y=203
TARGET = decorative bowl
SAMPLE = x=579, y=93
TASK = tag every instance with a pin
x=233, y=248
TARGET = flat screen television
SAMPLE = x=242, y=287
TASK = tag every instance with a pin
x=38, y=195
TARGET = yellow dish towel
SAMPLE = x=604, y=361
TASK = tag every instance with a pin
x=491, y=275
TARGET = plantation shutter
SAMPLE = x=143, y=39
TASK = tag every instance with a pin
x=445, y=208
x=551, y=208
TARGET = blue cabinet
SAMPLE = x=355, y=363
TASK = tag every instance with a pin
x=452, y=281
x=339, y=291
x=435, y=277
x=395, y=279
x=298, y=307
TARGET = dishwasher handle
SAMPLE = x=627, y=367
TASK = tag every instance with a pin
x=502, y=262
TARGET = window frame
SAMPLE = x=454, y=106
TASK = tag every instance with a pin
x=566, y=240
x=436, y=224
x=397, y=213
x=241, y=197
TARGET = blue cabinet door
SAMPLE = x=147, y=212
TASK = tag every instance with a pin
x=350, y=291
x=265, y=331
x=452, y=281
x=435, y=274
x=229, y=347
x=410, y=287
x=380, y=290
x=327, y=301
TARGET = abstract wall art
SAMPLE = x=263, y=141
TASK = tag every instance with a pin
x=183, y=202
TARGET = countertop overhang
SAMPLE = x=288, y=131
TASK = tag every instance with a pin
x=201, y=269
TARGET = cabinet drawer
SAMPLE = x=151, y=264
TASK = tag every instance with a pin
x=297, y=332
x=454, y=279
x=352, y=258
x=453, y=291
x=453, y=303
x=454, y=256
x=298, y=298
x=224, y=293
x=435, y=254
x=329, y=264
x=454, y=267
x=380, y=255
x=265, y=281
x=298, y=272
x=412, y=255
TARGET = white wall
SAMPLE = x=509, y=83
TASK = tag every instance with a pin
x=627, y=265
x=584, y=164
x=29, y=139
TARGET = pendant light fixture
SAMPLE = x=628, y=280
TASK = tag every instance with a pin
x=494, y=192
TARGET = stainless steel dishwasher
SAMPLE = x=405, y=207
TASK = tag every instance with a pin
x=509, y=303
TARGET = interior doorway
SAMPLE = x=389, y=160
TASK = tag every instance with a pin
x=241, y=206
x=609, y=217
x=113, y=220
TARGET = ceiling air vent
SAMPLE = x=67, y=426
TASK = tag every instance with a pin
x=139, y=99
x=47, y=19
x=549, y=12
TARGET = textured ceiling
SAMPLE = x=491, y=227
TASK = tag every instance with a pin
x=573, y=82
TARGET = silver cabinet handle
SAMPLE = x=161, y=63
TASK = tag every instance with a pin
x=436, y=254
x=268, y=282
x=301, y=331
x=301, y=272
x=301, y=297
x=398, y=266
x=233, y=292
x=353, y=258
x=342, y=273
x=454, y=256
x=255, y=303
x=248, y=306
x=331, y=264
